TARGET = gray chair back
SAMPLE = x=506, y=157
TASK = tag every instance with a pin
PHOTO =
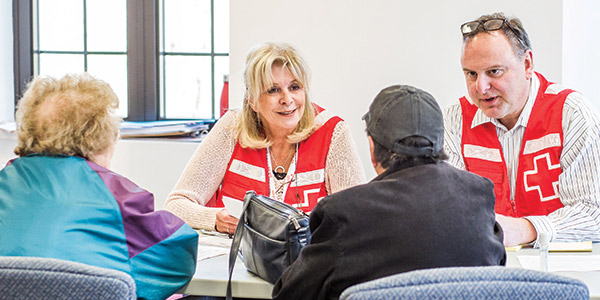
x=49, y=278
x=470, y=283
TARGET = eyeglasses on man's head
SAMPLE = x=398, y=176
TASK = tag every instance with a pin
x=468, y=28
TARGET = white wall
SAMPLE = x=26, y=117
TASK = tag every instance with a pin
x=581, y=47
x=154, y=165
x=356, y=48
x=6, y=62
x=8, y=142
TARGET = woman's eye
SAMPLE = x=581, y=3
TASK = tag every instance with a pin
x=273, y=90
x=295, y=87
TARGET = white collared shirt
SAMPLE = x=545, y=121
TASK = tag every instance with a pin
x=579, y=184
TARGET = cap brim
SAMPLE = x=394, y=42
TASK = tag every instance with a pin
x=365, y=116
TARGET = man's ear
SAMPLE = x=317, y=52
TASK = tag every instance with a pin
x=372, y=152
x=376, y=165
x=528, y=64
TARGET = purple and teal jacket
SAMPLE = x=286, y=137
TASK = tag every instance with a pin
x=69, y=208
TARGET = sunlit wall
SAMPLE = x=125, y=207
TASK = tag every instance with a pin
x=6, y=61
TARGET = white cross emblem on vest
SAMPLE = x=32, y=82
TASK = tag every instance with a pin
x=550, y=192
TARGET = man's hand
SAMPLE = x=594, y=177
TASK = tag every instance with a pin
x=516, y=230
x=225, y=223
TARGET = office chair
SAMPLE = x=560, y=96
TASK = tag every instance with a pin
x=470, y=283
x=49, y=278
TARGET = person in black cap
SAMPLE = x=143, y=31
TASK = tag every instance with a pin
x=419, y=212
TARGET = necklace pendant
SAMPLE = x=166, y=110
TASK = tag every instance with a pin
x=279, y=175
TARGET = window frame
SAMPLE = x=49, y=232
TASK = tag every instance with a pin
x=143, y=56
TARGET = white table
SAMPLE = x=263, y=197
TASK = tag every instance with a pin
x=591, y=279
x=211, y=276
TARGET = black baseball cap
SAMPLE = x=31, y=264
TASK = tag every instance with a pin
x=402, y=111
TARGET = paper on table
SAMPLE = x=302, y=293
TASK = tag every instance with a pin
x=570, y=247
x=234, y=206
x=212, y=244
x=557, y=263
x=213, y=238
x=206, y=252
x=512, y=248
x=559, y=247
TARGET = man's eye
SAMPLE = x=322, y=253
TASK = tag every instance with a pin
x=495, y=72
x=471, y=74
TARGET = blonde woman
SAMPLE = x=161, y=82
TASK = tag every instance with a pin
x=279, y=144
x=60, y=200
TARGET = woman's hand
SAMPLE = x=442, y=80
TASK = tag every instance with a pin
x=225, y=223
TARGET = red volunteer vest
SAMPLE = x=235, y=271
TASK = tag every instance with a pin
x=248, y=169
x=536, y=191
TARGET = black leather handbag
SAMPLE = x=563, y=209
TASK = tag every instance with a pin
x=271, y=234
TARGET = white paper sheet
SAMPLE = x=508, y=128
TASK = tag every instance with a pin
x=206, y=252
x=558, y=263
x=212, y=244
x=234, y=206
x=213, y=238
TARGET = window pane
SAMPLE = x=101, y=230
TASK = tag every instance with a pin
x=61, y=25
x=187, y=88
x=187, y=26
x=221, y=26
x=107, y=25
x=57, y=65
x=221, y=69
x=112, y=69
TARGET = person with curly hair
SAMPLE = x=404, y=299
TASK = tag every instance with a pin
x=58, y=199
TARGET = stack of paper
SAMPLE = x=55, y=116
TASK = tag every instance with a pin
x=164, y=128
x=570, y=247
x=560, y=247
x=512, y=248
x=212, y=244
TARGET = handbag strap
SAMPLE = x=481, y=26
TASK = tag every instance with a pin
x=237, y=238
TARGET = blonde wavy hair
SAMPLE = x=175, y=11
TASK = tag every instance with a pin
x=74, y=115
x=258, y=78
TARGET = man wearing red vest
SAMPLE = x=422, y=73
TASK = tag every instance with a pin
x=537, y=141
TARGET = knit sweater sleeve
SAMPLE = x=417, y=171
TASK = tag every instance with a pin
x=203, y=175
x=343, y=168
x=206, y=169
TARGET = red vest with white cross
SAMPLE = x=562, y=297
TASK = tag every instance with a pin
x=536, y=191
x=248, y=169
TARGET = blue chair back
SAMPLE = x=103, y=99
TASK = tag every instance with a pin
x=470, y=283
x=49, y=278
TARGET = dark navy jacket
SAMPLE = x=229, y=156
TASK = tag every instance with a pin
x=413, y=216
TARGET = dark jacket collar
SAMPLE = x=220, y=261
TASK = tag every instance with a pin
x=404, y=164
